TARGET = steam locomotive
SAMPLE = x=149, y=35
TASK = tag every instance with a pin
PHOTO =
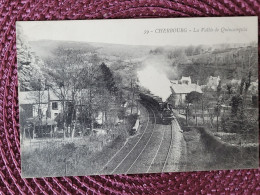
x=163, y=110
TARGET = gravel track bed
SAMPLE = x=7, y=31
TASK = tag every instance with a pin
x=159, y=160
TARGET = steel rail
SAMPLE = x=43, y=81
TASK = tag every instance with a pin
x=145, y=144
x=133, y=146
x=125, y=145
x=167, y=156
x=156, y=154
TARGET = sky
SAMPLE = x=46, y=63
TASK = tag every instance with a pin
x=132, y=31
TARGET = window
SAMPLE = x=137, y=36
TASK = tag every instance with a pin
x=40, y=112
x=54, y=105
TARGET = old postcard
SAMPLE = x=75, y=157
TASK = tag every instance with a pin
x=137, y=95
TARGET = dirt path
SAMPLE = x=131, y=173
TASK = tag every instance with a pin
x=177, y=150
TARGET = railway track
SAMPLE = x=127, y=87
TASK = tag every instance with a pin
x=125, y=150
x=145, y=144
x=169, y=149
x=129, y=160
x=160, y=159
x=136, y=157
x=160, y=154
x=176, y=146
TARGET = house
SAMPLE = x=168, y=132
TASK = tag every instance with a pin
x=38, y=111
x=185, y=80
x=213, y=82
x=181, y=89
x=40, y=104
x=41, y=112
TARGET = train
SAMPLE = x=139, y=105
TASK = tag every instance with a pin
x=163, y=110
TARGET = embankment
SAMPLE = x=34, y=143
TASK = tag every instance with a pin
x=229, y=155
x=205, y=151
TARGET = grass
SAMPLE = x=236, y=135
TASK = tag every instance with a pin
x=67, y=158
x=79, y=156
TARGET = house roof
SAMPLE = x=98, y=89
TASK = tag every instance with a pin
x=185, y=78
x=185, y=89
x=34, y=97
x=174, y=81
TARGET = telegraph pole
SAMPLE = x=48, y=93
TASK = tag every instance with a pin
x=133, y=95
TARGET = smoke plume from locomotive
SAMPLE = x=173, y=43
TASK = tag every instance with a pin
x=155, y=80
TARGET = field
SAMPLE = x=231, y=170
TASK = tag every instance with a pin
x=68, y=157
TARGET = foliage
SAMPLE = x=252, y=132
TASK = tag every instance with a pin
x=158, y=50
x=226, y=62
x=121, y=113
x=81, y=79
x=193, y=97
x=255, y=101
x=245, y=124
x=236, y=103
x=229, y=88
x=219, y=88
x=108, y=79
x=29, y=65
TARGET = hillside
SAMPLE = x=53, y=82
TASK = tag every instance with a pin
x=46, y=48
x=232, y=63
x=227, y=61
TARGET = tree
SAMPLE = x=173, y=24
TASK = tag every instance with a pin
x=229, y=89
x=64, y=72
x=242, y=83
x=158, y=50
x=248, y=82
x=178, y=56
x=29, y=65
x=197, y=50
x=193, y=98
x=254, y=101
x=219, y=89
x=108, y=79
x=217, y=113
x=189, y=50
x=236, y=103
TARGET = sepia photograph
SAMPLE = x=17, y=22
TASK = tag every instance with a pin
x=127, y=96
